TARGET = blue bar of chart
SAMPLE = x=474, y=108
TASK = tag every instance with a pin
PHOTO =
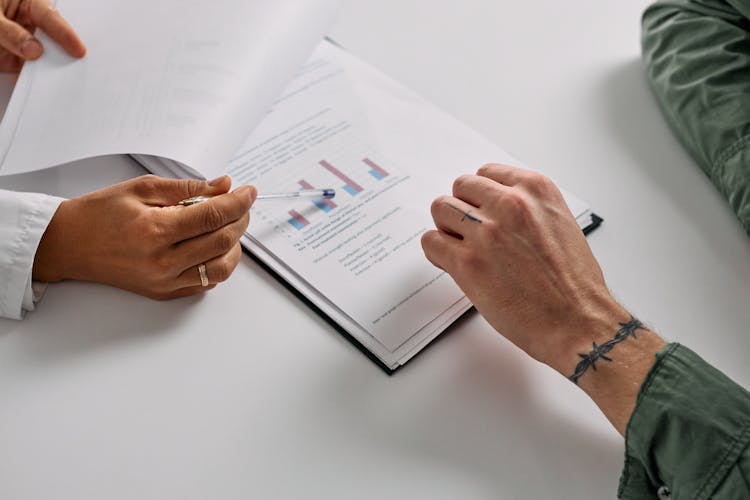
x=375, y=170
x=350, y=186
x=324, y=205
x=298, y=220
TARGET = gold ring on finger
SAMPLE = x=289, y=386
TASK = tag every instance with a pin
x=203, y=274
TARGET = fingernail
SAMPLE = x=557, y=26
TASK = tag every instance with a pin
x=31, y=49
x=217, y=181
x=247, y=191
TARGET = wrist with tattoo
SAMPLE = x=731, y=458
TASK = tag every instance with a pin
x=599, y=352
x=610, y=362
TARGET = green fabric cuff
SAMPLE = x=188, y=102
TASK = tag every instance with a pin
x=690, y=425
x=733, y=179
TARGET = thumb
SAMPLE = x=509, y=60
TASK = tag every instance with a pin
x=163, y=192
x=16, y=40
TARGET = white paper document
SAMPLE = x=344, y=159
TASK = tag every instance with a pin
x=388, y=153
x=209, y=95
x=182, y=79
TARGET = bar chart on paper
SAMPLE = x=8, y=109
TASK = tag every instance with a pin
x=349, y=176
x=350, y=186
x=357, y=174
x=375, y=170
x=298, y=220
x=324, y=205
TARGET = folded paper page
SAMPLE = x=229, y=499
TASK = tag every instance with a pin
x=181, y=79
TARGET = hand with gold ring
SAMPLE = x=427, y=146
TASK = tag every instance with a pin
x=134, y=236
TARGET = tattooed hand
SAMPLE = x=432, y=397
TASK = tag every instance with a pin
x=508, y=239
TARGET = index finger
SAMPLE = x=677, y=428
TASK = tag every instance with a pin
x=49, y=20
x=476, y=190
x=504, y=174
x=208, y=216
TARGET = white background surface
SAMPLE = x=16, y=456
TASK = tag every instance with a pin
x=245, y=393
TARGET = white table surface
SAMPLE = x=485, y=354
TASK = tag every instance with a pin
x=246, y=393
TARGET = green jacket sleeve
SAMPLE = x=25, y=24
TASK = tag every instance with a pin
x=689, y=435
x=697, y=56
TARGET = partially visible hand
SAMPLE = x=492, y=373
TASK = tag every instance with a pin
x=133, y=236
x=18, y=21
x=508, y=239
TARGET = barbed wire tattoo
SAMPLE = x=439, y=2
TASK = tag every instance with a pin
x=599, y=352
x=466, y=215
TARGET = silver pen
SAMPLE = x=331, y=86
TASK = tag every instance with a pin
x=325, y=194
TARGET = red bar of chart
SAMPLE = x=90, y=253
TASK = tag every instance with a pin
x=298, y=220
x=324, y=205
x=350, y=186
x=375, y=169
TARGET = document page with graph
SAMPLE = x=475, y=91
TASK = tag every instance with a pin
x=388, y=153
x=195, y=103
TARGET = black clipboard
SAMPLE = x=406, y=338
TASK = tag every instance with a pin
x=596, y=221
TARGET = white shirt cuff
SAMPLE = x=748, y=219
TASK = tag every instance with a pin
x=23, y=219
